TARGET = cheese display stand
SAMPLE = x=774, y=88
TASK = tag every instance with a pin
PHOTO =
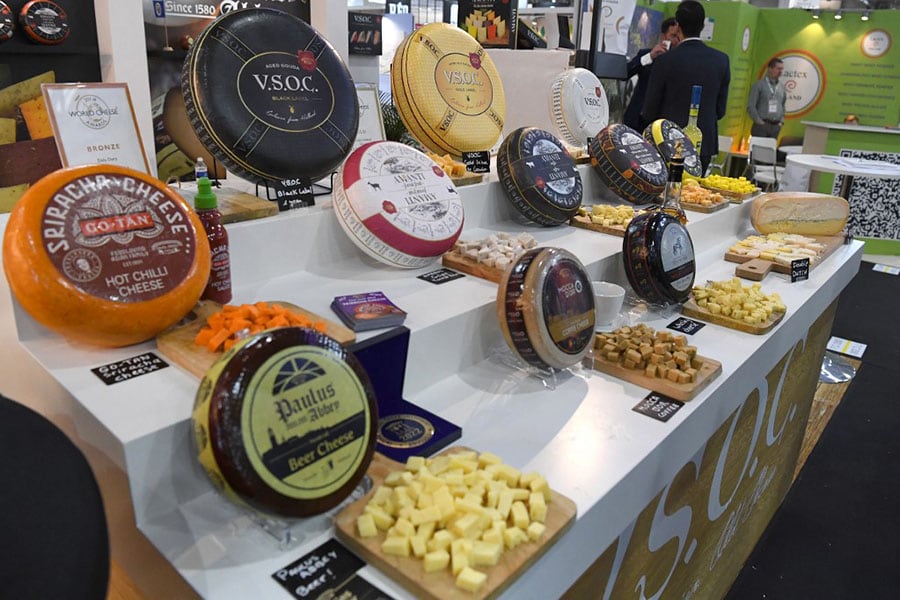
x=645, y=492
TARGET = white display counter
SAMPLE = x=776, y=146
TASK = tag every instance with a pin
x=582, y=435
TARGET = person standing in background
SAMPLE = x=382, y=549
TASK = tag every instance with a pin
x=642, y=65
x=766, y=102
x=676, y=72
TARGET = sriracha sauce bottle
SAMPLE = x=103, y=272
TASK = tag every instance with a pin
x=218, y=288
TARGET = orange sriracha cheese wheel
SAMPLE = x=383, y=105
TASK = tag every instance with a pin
x=105, y=255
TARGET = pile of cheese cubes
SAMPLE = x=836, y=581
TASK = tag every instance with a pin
x=731, y=298
x=607, y=215
x=457, y=511
x=497, y=250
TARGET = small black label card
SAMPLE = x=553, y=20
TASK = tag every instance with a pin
x=658, y=406
x=123, y=370
x=440, y=276
x=293, y=193
x=685, y=325
x=329, y=571
x=477, y=162
x=799, y=270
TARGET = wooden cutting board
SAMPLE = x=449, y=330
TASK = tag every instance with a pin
x=709, y=370
x=441, y=585
x=177, y=342
x=733, y=197
x=238, y=206
x=462, y=264
x=756, y=269
x=586, y=223
x=704, y=209
x=692, y=309
x=467, y=179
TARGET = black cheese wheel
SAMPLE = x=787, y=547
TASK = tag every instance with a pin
x=44, y=22
x=664, y=135
x=286, y=422
x=545, y=305
x=659, y=258
x=628, y=164
x=7, y=24
x=270, y=97
x=539, y=176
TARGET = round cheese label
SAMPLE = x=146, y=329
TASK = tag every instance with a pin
x=44, y=22
x=676, y=254
x=666, y=135
x=404, y=431
x=539, y=176
x=579, y=105
x=659, y=258
x=285, y=422
x=447, y=90
x=269, y=96
x=397, y=205
x=628, y=164
x=118, y=238
x=567, y=304
x=7, y=24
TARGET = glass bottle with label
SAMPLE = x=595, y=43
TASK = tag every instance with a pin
x=692, y=131
x=218, y=288
x=672, y=196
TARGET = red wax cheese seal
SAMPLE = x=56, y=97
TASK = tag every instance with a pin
x=105, y=254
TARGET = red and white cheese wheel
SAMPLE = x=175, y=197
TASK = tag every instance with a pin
x=578, y=105
x=397, y=205
x=105, y=254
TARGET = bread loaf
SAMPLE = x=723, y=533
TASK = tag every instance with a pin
x=806, y=213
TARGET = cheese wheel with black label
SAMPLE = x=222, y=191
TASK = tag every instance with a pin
x=7, y=24
x=659, y=258
x=539, y=176
x=545, y=305
x=44, y=22
x=105, y=254
x=664, y=135
x=804, y=213
x=285, y=422
x=269, y=96
x=628, y=164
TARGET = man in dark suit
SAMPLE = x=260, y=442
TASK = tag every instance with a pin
x=677, y=71
x=642, y=65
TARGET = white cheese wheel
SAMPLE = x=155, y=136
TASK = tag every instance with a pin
x=806, y=213
x=579, y=105
x=397, y=205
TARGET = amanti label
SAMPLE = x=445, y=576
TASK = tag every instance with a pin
x=305, y=422
x=118, y=238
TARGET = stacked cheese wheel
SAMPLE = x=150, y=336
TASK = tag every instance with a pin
x=105, y=254
x=659, y=258
x=447, y=90
x=270, y=97
x=665, y=135
x=545, y=305
x=397, y=205
x=285, y=422
x=628, y=164
x=539, y=176
x=578, y=105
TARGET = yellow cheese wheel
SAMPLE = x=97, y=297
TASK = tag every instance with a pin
x=804, y=213
x=105, y=255
x=447, y=90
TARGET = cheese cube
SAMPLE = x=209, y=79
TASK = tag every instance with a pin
x=418, y=546
x=504, y=504
x=440, y=541
x=520, y=515
x=493, y=535
x=426, y=530
x=396, y=546
x=470, y=580
x=513, y=536
x=537, y=508
x=485, y=554
x=382, y=519
x=488, y=458
x=365, y=524
x=431, y=514
x=466, y=526
x=414, y=463
x=436, y=561
x=536, y=530
x=459, y=555
x=403, y=528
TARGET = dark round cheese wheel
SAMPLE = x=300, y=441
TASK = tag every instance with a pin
x=44, y=22
x=659, y=258
x=539, y=176
x=285, y=422
x=7, y=23
x=664, y=135
x=628, y=164
x=270, y=97
x=545, y=305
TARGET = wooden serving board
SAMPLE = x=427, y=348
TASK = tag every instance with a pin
x=704, y=209
x=467, y=179
x=177, y=342
x=692, y=309
x=586, y=223
x=733, y=197
x=709, y=370
x=756, y=269
x=238, y=206
x=408, y=571
x=456, y=261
